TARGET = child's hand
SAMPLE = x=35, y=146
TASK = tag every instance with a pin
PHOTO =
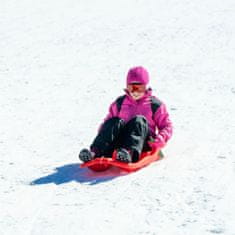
x=156, y=143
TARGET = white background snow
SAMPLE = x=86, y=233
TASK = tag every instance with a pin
x=63, y=62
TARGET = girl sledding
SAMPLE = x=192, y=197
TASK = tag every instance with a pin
x=136, y=128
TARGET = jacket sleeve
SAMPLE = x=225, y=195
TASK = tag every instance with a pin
x=113, y=112
x=164, y=125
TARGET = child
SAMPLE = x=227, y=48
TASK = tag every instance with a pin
x=136, y=122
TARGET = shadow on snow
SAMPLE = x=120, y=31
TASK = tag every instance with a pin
x=73, y=172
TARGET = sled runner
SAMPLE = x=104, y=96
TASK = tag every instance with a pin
x=102, y=163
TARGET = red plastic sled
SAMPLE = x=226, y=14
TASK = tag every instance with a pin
x=102, y=163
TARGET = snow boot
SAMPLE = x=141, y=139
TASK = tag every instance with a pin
x=86, y=155
x=123, y=155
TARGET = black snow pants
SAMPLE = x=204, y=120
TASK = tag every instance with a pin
x=116, y=133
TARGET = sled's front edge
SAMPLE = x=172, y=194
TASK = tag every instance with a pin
x=101, y=164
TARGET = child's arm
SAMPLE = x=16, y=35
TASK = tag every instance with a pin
x=113, y=112
x=164, y=125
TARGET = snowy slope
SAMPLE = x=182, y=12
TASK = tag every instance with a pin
x=63, y=62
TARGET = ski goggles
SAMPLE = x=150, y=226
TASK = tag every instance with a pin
x=136, y=87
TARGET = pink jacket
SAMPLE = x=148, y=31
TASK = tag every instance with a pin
x=160, y=125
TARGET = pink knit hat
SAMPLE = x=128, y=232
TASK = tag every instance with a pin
x=138, y=75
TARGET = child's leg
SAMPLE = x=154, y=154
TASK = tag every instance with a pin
x=134, y=136
x=107, y=139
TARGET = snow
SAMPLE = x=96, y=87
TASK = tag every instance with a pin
x=62, y=63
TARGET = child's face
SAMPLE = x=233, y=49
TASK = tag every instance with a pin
x=136, y=95
x=136, y=90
